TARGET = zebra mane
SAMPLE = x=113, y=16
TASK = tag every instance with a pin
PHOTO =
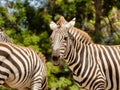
x=61, y=21
x=80, y=35
x=42, y=57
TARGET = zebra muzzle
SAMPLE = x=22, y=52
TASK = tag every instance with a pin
x=56, y=60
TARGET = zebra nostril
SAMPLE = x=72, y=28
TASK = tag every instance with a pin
x=55, y=58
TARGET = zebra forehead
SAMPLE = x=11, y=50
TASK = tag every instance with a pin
x=59, y=33
x=61, y=21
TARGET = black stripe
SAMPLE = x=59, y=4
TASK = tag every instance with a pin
x=71, y=58
x=4, y=53
x=116, y=68
x=93, y=81
x=100, y=85
x=21, y=60
x=68, y=52
x=31, y=65
x=93, y=67
x=16, y=65
x=80, y=61
x=109, y=66
x=102, y=62
x=87, y=59
x=7, y=66
x=2, y=79
x=4, y=73
x=117, y=74
x=44, y=84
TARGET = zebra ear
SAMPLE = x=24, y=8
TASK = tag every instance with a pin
x=53, y=25
x=71, y=23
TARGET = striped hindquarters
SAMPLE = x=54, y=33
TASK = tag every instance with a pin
x=21, y=67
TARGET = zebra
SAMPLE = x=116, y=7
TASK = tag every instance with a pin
x=4, y=37
x=94, y=66
x=21, y=68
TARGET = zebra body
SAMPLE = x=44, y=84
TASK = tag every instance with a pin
x=21, y=68
x=97, y=68
x=94, y=66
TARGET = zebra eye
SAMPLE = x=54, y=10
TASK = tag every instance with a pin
x=65, y=38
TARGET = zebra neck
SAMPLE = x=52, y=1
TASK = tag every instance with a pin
x=78, y=59
x=72, y=54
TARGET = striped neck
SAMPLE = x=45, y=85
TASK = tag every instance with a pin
x=77, y=40
x=77, y=60
x=80, y=36
x=77, y=50
x=73, y=48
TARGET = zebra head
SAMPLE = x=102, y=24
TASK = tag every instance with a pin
x=60, y=39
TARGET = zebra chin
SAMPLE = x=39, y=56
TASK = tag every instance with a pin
x=56, y=63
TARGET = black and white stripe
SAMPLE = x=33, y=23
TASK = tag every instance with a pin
x=21, y=68
x=94, y=66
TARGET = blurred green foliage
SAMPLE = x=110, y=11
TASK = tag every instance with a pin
x=29, y=26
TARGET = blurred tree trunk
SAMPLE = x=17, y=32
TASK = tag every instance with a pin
x=98, y=14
